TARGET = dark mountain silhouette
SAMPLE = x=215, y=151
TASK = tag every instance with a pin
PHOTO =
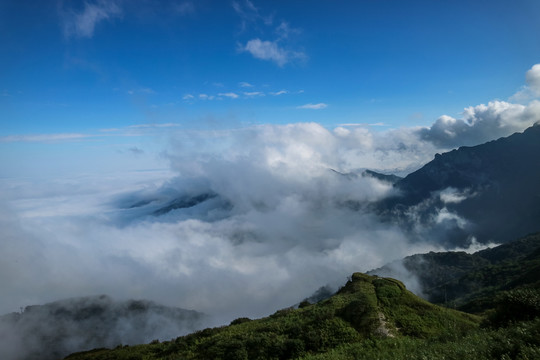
x=184, y=202
x=496, y=188
x=390, y=178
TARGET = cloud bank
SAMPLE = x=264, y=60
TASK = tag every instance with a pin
x=253, y=220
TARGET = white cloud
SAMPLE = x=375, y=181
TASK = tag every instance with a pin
x=532, y=89
x=313, y=106
x=280, y=226
x=283, y=225
x=280, y=92
x=82, y=24
x=253, y=93
x=271, y=51
x=245, y=84
x=229, y=95
x=453, y=196
x=533, y=79
x=188, y=97
x=482, y=123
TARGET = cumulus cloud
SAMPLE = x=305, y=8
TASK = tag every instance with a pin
x=532, y=89
x=533, y=79
x=313, y=106
x=481, y=123
x=83, y=23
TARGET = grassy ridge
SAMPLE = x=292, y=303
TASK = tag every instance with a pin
x=377, y=318
x=367, y=309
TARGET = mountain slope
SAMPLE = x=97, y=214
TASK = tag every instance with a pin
x=491, y=191
x=54, y=330
x=471, y=281
x=366, y=307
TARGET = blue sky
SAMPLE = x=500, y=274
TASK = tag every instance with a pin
x=109, y=103
x=78, y=71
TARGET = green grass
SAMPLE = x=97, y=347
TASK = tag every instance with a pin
x=351, y=318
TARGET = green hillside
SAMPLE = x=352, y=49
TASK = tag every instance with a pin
x=378, y=318
x=471, y=282
x=367, y=310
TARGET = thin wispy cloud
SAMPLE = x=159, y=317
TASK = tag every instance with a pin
x=253, y=93
x=229, y=95
x=310, y=106
x=250, y=14
x=184, y=8
x=83, y=23
x=284, y=30
x=147, y=91
x=245, y=84
x=277, y=50
x=280, y=92
x=135, y=150
x=271, y=51
x=45, y=138
x=166, y=125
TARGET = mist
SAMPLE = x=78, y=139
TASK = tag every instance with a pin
x=245, y=221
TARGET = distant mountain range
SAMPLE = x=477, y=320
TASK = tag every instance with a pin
x=54, y=330
x=490, y=191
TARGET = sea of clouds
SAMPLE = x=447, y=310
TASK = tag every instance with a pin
x=288, y=213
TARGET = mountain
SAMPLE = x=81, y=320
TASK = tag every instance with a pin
x=54, y=330
x=470, y=282
x=185, y=202
x=375, y=317
x=490, y=191
x=366, y=309
x=392, y=179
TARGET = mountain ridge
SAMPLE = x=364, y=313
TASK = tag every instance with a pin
x=490, y=191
